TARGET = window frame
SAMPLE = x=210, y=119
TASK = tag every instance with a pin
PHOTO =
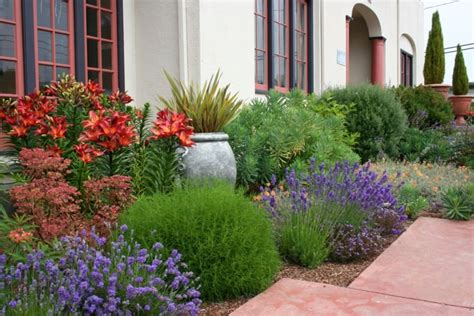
x=53, y=31
x=290, y=48
x=264, y=16
x=305, y=33
x=18, y=59
x=287, y=55
x=404, y=73
x=100, y=40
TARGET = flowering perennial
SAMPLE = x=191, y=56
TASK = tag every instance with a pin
x=351, y=187
x=88, y=280
x=169, y=124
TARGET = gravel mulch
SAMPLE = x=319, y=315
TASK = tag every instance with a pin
x=338, y=274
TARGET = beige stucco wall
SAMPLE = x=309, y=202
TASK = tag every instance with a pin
x=191, y=39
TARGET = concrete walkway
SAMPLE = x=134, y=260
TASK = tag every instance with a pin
x=429, y=270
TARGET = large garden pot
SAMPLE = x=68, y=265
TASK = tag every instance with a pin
x=461, y=105
x=442, y=88
x=210, y=157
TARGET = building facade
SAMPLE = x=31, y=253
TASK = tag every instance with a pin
x=257, y=44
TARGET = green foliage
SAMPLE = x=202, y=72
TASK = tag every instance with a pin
x=413, y=200
x=458, y=203
x=306, y=237
x=153, y=165
x=428, y=178
x=286, y=131
x=424, y=106
x=461, y=139
x=15, y=250
x=460, y=79
x=210, y=107
x=222, y=236
x=425, y=146
x=433, y=69
x=378, y=118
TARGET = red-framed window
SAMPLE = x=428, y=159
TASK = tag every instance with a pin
x=281, y=45
x=11, y=51
x=101, y=43
x=54, y=39
x=406, y=69
x=301, y=45
x=261, y=45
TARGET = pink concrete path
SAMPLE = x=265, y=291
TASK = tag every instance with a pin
x=429, y=270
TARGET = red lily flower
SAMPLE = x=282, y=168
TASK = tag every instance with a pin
x=58, y=127
x=18, y=131
x=87, y=153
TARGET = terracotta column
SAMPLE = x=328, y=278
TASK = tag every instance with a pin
x=378, y=60
x=348, y=23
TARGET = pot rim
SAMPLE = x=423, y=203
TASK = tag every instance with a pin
x=209, y=137
x=462, y=96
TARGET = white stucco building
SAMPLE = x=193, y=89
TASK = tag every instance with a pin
x=257, y=44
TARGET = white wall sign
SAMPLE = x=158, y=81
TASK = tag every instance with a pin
x=341, y=57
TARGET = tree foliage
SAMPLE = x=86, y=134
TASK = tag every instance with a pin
x=434, y=58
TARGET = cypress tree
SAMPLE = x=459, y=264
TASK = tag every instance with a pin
x=433, y=69
x=460, y=79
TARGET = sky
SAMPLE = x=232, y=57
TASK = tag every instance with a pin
x=457, y=23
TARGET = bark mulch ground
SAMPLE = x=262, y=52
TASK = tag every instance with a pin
x=339, y=274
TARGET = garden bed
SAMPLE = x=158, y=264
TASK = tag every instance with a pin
x=338, y=274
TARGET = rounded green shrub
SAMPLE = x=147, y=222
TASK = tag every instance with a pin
x=378, y=118
x=425, y=146
x=424, y=106
x=460, y=79
x=225, y=239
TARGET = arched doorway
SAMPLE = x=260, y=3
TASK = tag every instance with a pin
x=366, y=47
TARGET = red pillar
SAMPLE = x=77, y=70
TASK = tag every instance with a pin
x=348, y=21
x=378, y=60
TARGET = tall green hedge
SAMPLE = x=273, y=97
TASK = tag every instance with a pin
x=434, y=58
x=460, y=80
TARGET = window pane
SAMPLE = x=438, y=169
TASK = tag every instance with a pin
x=282, y=72
x=275, y=39
x=62, y=49
x=106, y=26
x=91, y=22
x=61, y=14
x=301, y=46
x=301, y=18
x=260, y=33
x=301, y=76
x=45, y=75
x=276, y=71
x=44, y=13
x=106, y=55
x=107, y=82
x=282, y=11
x=260, y=6
x=61, y=71
x=44, y=46
x=260, y=67
x=105, y=4
x=7, y=77
x=282, y=40
x=7, y=40
x=6, y=9
x=92, y=53
x=93, y=75
x=94, y=2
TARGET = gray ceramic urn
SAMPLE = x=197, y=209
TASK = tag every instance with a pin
x=210, y=157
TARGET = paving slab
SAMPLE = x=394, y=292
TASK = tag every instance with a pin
x=290, y=297
x=432, y=261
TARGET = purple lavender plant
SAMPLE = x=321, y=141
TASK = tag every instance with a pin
x=364, y=202
x=90, y=279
